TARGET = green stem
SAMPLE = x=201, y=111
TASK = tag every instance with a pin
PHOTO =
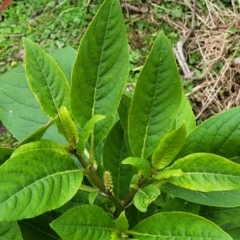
x=128, y=199
x=99, y=184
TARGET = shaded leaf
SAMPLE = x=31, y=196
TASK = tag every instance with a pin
x=220, y=216
x=219, y=199
x=114, y=152
x=37, y=228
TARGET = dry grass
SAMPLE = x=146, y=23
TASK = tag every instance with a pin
x=216, y=37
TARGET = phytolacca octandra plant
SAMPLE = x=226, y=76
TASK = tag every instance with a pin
x=97, y=163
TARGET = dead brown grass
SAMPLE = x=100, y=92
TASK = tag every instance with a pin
x=215, y=73
x=216, y=37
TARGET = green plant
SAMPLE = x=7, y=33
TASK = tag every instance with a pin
x=95, y=162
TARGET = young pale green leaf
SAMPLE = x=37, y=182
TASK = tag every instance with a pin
x=35, y=181
x=181, y=205
x=46, y=79
x=220, y=216
x=156, y=100
x=167, y=174
x=215, y=198
x=206, y=172
x=36, y=135
x=68, y=126
x=169, y=147
x=84, y=222
x=38, y=228
x=145, y=196
x=178, y=226
x=101, y=69
x=114, y=152
x=142, y=166
x=218, y=135
x=10, y=230
x=185, y=114
x=86, y=132
x=122, y=223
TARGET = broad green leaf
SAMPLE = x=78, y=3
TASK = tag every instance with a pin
x=169, y=147
x=5, y=153
x=121, y=222
x=218, y=199
x=181, y=205
x=35, y=181
x=18, y=105
x=37, y=228
x=84, y=222
x=114, y=152
x=65, y=58
x=178, y=226
x=10, y=230
x=68, y=126
x=156, y=100
x=220, y=216
x=206, y=172
x=145, y=196
x=218, y=135
x=46, y=79
x=101, y=69
x=36, y=135
x=185, y=114
x=142, y=166
x=86, y=132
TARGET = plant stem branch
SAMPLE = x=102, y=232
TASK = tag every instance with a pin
x=128, y=199
x=99, y=183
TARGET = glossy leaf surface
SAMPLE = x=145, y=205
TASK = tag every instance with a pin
x=101, y=69
x=84, y=222
x=35, y=181
x=179, y=226
x=156, y=99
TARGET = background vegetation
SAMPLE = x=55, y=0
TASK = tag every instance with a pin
x=211, y=51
